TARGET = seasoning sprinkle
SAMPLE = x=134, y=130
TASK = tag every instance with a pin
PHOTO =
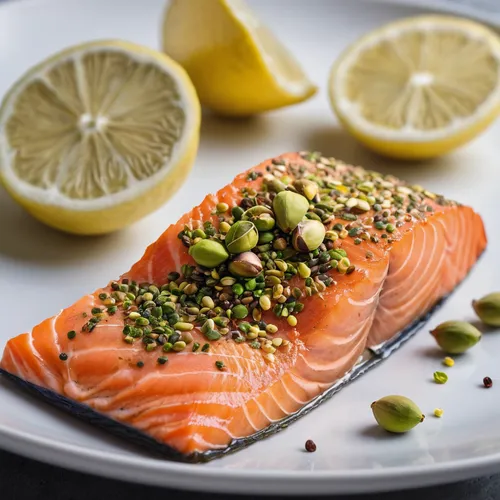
x=140, y=364
x=63, y=356
x=487, y=382
x=220, y=365
x=310, y=446
x=71, y=334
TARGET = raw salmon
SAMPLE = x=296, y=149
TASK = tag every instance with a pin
x=403, y=249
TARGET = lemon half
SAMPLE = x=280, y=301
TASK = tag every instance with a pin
x=419, y=87
x=236, y=64
x=97, y=136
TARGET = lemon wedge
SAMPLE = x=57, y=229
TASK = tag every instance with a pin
x=419, y=87
x=236, y=64
x=97, y=136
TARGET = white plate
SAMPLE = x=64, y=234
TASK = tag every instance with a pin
x=42, y=271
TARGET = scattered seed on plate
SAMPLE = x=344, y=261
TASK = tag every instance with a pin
x=310, y=446
x=438, y=412
x=487, y=382
x=448, y=361
x=440, y=377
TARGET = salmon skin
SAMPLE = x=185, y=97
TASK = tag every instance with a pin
x=253, y=308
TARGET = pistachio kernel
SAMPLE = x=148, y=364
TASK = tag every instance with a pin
x=208, y=253
x=289, y=209
x=308, y=235
x=261, y=216
x=246, y=265
x=242, y=237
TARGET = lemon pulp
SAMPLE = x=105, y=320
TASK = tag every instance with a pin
x=419, y=87
x=97, y=136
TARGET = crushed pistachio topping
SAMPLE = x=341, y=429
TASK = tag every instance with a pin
x=265, y=256
x=438, y=412
x=447, y=361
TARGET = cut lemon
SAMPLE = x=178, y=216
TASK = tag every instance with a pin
x=237, y=65
x=419, y=87
x=97, y=136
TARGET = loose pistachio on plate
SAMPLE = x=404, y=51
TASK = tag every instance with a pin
x=397, y=414
x=488, y=309
x=456, y=337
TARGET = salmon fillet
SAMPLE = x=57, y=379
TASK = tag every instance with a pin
x=404, y=250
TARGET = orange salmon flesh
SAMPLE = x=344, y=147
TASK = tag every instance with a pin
x=190, y=405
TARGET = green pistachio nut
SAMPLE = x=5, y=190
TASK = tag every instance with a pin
x=262, y=217
x=245, y=265
x=274, y=185
x=265, y=238
x=308, y=235
x=307, y=188
x=242, y=237
x=208, y=253
x=289, y=209
x=397, y=413
x=240, y=311
x=488, y=309
x=456, y=337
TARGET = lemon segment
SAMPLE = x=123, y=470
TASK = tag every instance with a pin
x=419, y=87
x=235, y=62
x=97, y=136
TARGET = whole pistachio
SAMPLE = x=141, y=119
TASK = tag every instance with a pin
x=208, y=253
x=308, y=235
x=307, y=188
x=273, y=184
x=261, y=216
x=246, y=265
x=397, y=413
x=456, y=337
x=289, y=209
x=242, y=237
x=488, y=309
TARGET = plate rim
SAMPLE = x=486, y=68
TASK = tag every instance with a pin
x=198, y=477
